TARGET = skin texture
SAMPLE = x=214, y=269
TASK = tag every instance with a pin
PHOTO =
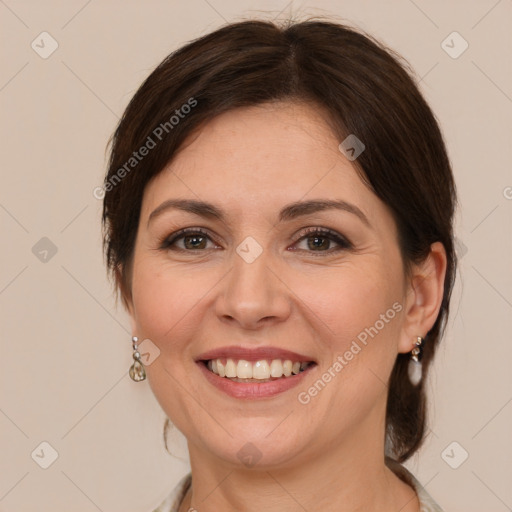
x=325, y=455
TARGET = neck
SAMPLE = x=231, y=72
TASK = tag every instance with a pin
x=349, y=477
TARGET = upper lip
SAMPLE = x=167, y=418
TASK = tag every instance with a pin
x=253, y=354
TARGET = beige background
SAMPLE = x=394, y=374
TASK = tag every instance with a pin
x=65, y=349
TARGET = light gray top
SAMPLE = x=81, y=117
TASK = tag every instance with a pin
x=427, y=504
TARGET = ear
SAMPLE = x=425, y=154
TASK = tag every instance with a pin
x=423, y=298
x=126, y=298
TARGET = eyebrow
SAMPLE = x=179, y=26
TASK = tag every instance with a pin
x=289, y=212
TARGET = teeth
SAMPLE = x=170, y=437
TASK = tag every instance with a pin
x=276, y=368
x=230, y=368
x=221, y=369
x=244, y=370
x=260, y=370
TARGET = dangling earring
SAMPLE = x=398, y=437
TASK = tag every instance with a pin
x=137, y=372
x=414, y=369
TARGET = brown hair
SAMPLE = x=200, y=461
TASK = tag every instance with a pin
x=367, y=89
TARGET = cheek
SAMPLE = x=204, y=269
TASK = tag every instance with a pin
x=357, y=312
x=164, y=300
x=349, y=299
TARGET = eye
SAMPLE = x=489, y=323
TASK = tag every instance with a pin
x=193, y=239
x=319, y=240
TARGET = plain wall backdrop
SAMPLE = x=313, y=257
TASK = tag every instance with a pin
x=67, y=71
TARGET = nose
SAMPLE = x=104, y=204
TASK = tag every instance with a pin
x=253, y=294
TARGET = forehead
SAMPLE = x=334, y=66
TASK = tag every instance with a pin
x=253, y=141
x=254, y=158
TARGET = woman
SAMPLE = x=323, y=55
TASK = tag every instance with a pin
x=278, y=219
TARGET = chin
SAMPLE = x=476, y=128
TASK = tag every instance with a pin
x=256, y=443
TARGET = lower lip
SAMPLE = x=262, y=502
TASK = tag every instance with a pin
x=252, y=391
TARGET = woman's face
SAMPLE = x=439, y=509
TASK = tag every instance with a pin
x=261, y=285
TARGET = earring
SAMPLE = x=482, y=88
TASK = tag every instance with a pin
x=414, y=369
x=137, y=372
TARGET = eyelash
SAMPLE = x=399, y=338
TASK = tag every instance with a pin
x=344, y=243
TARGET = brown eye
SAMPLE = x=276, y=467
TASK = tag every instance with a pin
x=320, y=240
x=193, y=239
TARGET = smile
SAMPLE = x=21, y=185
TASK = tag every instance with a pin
x=261, y=371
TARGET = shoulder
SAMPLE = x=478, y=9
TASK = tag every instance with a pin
x=427, y=503
x=172, y=502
